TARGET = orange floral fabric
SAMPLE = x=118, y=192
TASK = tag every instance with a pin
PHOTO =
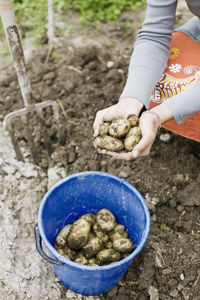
x=183, y=70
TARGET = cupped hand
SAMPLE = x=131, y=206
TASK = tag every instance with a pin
x=148, y=125
x=124, y=108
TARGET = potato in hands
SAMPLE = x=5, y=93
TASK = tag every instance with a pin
x=119, y=134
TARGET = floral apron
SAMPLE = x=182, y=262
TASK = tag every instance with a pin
x=183, y=70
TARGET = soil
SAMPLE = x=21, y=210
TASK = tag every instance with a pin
x=79, y=75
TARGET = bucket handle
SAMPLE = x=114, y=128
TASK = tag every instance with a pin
x=38, y=242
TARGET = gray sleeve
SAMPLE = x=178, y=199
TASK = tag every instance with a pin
x=185, y=104
x=191, y=28
x=151, y=50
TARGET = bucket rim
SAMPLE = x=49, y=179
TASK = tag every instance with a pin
x=62, y=258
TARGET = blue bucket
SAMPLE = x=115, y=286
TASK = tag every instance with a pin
x=82, y=193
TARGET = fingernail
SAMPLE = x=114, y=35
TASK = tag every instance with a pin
x=135, y=153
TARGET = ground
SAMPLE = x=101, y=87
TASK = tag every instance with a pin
x=81, y=78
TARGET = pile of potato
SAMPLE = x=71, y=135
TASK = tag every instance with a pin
x=119, y=134
x=94, y=240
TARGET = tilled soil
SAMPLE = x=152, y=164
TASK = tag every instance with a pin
x=80, y=77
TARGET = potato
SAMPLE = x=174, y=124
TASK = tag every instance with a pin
x=94, y=240
x=99, y=233
x=132, y=139
x=69, y=252
x=122, y=133
x=81, y=260
x=109, y=143
x=106, y=220
x=92, y=262
x=61, y=238
x=80, y=253
x=108, y=245
x=108, y=256
x=91, y=218
x=136, y=131
x=79, y=234
x=133, y=120
x=119, y=127
x=93, y=246
x=120, y=228
x=118, y=232
x=59, y=249
x=104, y=128
x=123, y=245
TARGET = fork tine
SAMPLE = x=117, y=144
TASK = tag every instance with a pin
x=31, y=144
x=46, y=138
x=17, y=149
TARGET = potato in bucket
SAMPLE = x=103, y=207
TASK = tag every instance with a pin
x=83, y=193
x=96, y=237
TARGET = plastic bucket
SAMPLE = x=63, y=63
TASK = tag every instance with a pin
x=82, y=193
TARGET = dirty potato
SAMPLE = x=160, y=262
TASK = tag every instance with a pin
x=94, y=240
x=93, y=246
x=61, y=238
x=108, y=245
x=123, y=245
x=93, y=262
x=69, y=252
x=108, y=256
x=59, y=249
x=99, y=233
x=133, y=120
x=118, y=232
x=91, y=218
x=120, y=228
x=79, y=234
x=109, y=143
x=104, y=128
x=106, y=220
x=81, y=260
x=132, y=139
x=136, y=131
x=119, y=127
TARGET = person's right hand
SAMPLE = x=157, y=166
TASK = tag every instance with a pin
x=124, y=108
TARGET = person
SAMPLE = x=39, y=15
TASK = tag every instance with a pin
x=163, y=82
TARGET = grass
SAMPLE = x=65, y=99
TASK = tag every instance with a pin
x=92, y=10
x=32, y=15
x=162, y=227
x=132, y=283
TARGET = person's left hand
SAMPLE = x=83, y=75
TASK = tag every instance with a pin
x=149, y=125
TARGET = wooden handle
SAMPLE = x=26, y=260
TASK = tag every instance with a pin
x=7, y=13
x=11, y=31
x=51, y=21
x=19, y=64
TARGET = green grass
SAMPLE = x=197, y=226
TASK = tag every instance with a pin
x=162, y=227
x=93, y=10
x=132, y=283
x=32, y=15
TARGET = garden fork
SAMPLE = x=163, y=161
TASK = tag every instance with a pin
x=11, y=31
